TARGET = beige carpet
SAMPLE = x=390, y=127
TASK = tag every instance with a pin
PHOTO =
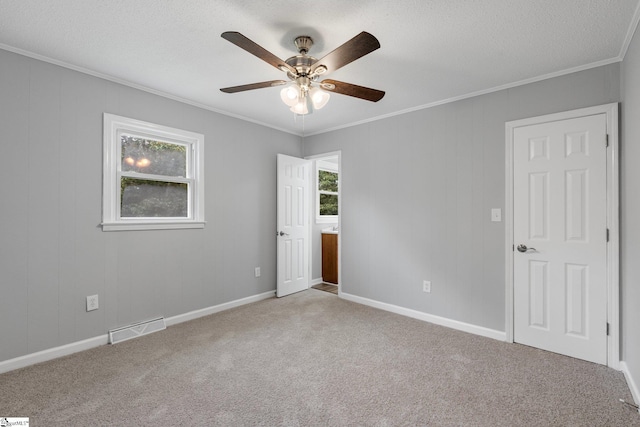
x=312, y=359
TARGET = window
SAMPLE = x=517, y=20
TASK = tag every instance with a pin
x=327, y=194
x=153, y=176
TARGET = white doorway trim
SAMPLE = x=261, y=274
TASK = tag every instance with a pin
x=613, y=248
x=340, y=182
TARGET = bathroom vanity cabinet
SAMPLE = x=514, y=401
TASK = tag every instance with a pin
x=330, y=257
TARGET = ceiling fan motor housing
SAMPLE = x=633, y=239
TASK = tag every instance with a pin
x=302, y=64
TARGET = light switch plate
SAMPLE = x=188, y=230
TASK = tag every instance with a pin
x=496, y=215
x=92, y=302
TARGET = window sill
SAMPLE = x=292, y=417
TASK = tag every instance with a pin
x=327, y=220
x=146, y=225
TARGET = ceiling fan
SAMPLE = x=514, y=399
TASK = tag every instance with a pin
x=306, y=93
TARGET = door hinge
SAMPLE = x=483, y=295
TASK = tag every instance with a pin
x=607, y=328
x=607, y=234
x=607, y=140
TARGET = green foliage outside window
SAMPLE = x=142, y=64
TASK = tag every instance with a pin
x=153, y=157
x=141, y=198
x=328, y=188
x=328, y=204
x=145, y=197
x=328, y=181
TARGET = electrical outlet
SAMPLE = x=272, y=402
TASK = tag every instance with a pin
x=92, y=302
x=257, y=271
x=426, y=286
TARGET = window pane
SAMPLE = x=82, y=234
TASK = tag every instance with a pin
x=328, y=204
x=153, y=157
x=153, y=199
x=327, y=181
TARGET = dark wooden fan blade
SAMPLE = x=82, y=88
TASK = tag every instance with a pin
x=355, y=48
x=252, y=86
x=257, y=50
x=349, y=89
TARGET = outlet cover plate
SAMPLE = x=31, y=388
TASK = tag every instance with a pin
x=426, y=286
x=257, y=271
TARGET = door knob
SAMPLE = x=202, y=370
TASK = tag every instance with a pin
x=282, y=233
x=524, y=248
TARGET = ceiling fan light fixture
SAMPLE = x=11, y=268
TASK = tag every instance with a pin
x=319, y=98
x=290, y=95
x=303, y=107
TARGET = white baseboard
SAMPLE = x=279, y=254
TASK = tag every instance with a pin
x=217, y=308
x=75, y=347
x=315, y=282
x=52, y=353
x=442, y=321
x=633, y=385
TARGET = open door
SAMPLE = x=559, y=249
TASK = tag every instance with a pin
x=292, y=231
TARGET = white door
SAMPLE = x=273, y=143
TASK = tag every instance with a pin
x=293, y=224
x=560, y=237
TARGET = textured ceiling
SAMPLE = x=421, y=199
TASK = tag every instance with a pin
x=432, y=51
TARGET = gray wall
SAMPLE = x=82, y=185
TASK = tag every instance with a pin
x=417, y=191
x=52, y=251
x=630, y=209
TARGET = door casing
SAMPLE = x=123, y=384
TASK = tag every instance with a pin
x=341, y=178
x=613, y=256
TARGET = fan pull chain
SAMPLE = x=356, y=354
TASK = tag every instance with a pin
x=295, y=119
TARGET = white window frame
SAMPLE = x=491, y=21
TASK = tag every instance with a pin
x=114, y=126
x=329, y=167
